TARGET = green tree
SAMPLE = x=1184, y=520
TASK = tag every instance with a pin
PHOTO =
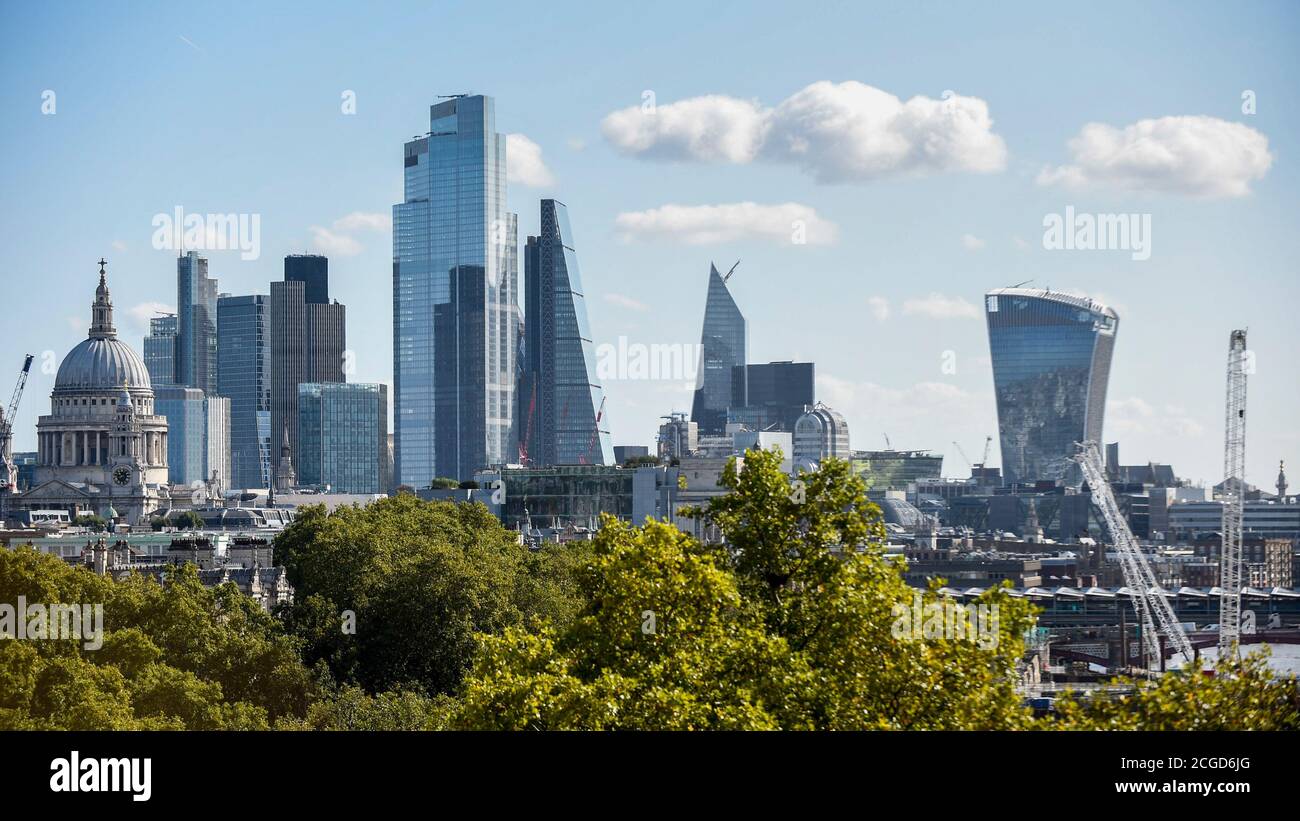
x=96, y=523
x=790, y=624
x=174, y=656
x=419, y=580
x=1245, y=695
x=188, y=520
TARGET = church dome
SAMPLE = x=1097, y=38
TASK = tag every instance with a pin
x=102, y=364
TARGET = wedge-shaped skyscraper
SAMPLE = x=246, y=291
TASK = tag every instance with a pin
x=723, y=348
x=562, y=406
x=1051, y=356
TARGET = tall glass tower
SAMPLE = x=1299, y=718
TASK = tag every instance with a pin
x=1051, y=356
x=723, y=346
x=196, y=312
x=244, y=376
x=161, y=350
x=455, y=298
x=564, y=409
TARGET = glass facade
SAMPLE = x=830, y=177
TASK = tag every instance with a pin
x=161, y=349
x=313, y=271
x=244, y=377
x=723, y=347
x=565, y=422
x=896, y=469
x=1051, y=356
x=771, y=396
x=344, y=433
x=186, y=433
x=455, y=301
x=196, y=300
x=562, y=495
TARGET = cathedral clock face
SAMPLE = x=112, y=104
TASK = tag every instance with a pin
x=122, y=475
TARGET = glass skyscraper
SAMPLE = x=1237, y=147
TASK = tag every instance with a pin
x=564, y=419
x=314, y=271
x=244, y=377
x=1051, y=356
x=723, y=347
x=344, y=433
x=198, y=435
x=771, y=396
x=196, y=311
x=161, y=350
x=455, y=298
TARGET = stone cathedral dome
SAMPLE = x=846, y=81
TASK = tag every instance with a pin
x=102, y=361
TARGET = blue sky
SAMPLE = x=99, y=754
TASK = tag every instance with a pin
x=236, y=109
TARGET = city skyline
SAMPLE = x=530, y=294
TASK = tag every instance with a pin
x=876, y=304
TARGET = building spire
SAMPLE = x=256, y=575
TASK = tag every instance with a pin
x=101, y=324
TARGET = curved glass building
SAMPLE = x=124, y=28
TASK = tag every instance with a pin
x=1051, y=356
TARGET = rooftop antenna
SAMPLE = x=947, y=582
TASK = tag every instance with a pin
x=732, y=271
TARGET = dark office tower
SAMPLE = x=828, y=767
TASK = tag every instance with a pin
x=1051, y=357
x=771, y=396
x=723, y=348
x=308, y=340
x=566, y=424
x=455, y=299
x=162, y=350
x=244, y=377
x=313, y=271
x=196, y=313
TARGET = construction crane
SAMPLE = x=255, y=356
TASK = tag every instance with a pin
x=732, y=271
x=8, y=470
x=595, y=431
x=1155, y=614
x=964, y=457
x=988, y=443
x=1234, y=485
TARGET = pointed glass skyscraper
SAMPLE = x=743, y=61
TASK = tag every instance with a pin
x=563, y=408
x=455, y=299
x=723, y=348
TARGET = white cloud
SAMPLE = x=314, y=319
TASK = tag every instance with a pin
x=524, y=163
x=879, y=307
x=1135, y=415
x=628, y=302
x=922, y=415
x=145, y=311
x=576, y=143
x=1196, y=156
x=118, y=245
x=361, y=221
x=714, y=128
x=938, y=306
x=729, y=222
x=334, y=244
x=836, y=132
x=971, y=242
x=337, y=240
